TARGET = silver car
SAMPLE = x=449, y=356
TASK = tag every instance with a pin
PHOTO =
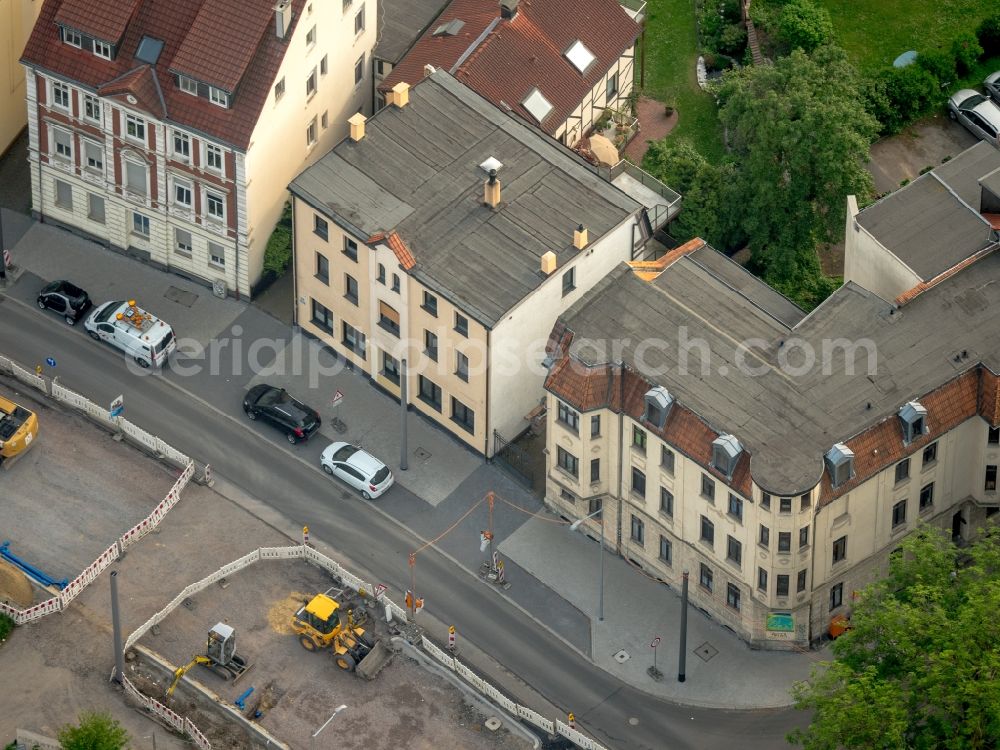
x=992, y=85
x=979, y=115
x=356, y=467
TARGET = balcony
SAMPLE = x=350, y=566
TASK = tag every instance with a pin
x=635, y=8
x=662, y=204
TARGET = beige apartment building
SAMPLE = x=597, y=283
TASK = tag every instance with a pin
x=406, y=246
x=17, y=17
x=157, y=134
x=778, y=457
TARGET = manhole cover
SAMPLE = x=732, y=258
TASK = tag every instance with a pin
x=421, y=454
x=180, y=296
x=622, y=656
x=633, y=721
x=706, y=651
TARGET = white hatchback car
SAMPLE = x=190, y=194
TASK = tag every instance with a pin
x=359, y=469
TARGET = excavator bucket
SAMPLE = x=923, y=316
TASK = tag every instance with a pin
x=372, y=664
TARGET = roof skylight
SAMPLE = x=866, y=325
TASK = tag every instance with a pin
x=537, y=105
x=580, y=56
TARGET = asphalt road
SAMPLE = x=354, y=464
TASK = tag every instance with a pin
x=259, y=460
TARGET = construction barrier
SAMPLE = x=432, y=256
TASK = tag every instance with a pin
x=89, y=574
x=577, y=737
x=533, y=717
x=151, y=521
x=28, y=377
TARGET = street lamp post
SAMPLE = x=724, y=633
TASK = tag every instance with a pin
x=573, y=527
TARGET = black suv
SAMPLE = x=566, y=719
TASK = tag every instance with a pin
x=276, y=406
x=65, y=298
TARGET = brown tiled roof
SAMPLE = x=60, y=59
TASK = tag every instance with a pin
x=140, y=83
x=647, y=270
x=993, y=219
x=171, y=23
x=923, y=286
x=403, y=254
x=525, y=52
x=97, y=18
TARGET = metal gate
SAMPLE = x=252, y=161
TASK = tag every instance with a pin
x=513, y=458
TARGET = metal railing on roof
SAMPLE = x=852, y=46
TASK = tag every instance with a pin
x=635, y=8
x=659, y=214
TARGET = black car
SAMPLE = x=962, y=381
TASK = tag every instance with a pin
x=65, y=298
x=276, y=406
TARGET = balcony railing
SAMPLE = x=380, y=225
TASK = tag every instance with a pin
x=635, y=8
x=659, y=212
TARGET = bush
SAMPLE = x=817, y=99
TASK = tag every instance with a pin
x=710, y=23
x=96, y=731
x=939, y=64
x=897, y=96
x=803, y=24
x=6, y=626
x=966, y=50
x=278, y=253
x=733, y=40
x=988, y=35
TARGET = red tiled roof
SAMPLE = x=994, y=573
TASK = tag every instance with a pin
x=141, y=84
x=525, y=52
x=993, y=219
x=647, y=270
x=989, y=398
x=171, y=23
x=403, y=254
x=97, y=18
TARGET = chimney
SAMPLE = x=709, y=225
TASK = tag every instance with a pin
x=580, y=237
x=282, y=18
x=508, y=9
x=399, y=95
x=491, y=190
x=548, y=263
x=357, y=123
x=429, y=70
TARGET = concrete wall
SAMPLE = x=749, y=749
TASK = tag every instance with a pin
x=868, y=263
x=17, y=17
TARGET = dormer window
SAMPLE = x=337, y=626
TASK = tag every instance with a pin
x=188, y=85
x=103, y=49
x=71, y=37
x=726, y=450
x=913, y=417
x=840, y=463
x=581, y=57
x=218, y=97
x=658, y=402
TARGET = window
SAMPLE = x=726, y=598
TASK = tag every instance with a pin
x=800, y=582
x=430, y=393
x=322, y=268
x=804, y=501
x=638, y=530
x=324, y=66
x=72, y=37
x=990, y=485
x=357, y=343
x=322, y=317
x=91, y=108
x=666, y=502
x=64, y=195
x=638, y=439
x=216, y=255
x=461, y=324
x=930, y=454
x=395, y=282
x=359, y=70
x=462, y=366
x=430, y=304
x=380, y=276
x=431, y=345
x=182, y=193
x=784, y=541
x=803, y=537
x=213, y=157
x=568, y=417
x=351, y=288
x=735, y=507
x=218, y=97
x=734, y=550
x=359, y=21
x=182, y=146
x=764, y=536
x=708, y=488
x=765, y=501
x=102, y=49
x=666, y=550
x=707, y=531
x=993, y=436
x=762, y=579
x=135, y=177
x=135, y=128
x=322, y=230
x=781, y=588
x=595, y=470
x=95, y=208
x=60, y=94
x=596, y=508
x=567, y=461
x=311, y=37
x=840, y=549
x=390, y=368
x=732, y=596
x=926, y=496
x=836, y=596
x=612, y=86
x=279, y=89
x=188, y=85
x=64, y=143
x=182, y=242
x=903, y=470
x=463, y=415
x=94, y=155
x=667, y=459
x=568, y=281
x=595, y=426
x=638, y=482
x=351, y=249
x=705, y=577
x=140, y=224
x=311, y=83
x=785, y=505
x=215, y=206
x=899, y=513
x=324, y=121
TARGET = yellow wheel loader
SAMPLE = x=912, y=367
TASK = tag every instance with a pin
x=322, y=623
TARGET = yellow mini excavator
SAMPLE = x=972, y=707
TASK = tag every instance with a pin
x=323, y=623
x=220, y=657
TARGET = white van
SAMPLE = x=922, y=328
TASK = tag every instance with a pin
x=141, y=335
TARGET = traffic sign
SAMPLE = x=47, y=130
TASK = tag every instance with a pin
x=655, y=643
x=337, y=398
x=50, y=362
x=118, y=406
x=6, y=258
x=379, y=590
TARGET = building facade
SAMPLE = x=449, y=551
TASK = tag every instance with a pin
x=156, y=134
x=17, y=17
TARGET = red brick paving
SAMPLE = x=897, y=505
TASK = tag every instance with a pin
x=653, y=125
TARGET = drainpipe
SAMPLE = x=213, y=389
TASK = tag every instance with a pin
x=486, y=438
x=812, y=569
x=295, y=275
x=621, y=453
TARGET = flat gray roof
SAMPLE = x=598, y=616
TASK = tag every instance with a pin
x=962, y=174
x=401, y=23
x=417, y=172
x=786, y=421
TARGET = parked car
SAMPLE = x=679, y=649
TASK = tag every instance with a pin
x=992, y=85
x=979, y=115
x=65, y=298
x=358, y=468
x=140, y=334
x=277, y=406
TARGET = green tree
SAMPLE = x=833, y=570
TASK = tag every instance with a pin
x=988, y=34
x=897, y=96
x=802, y=24
x=96, y=731
x=920, y=668
x=800, y=134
